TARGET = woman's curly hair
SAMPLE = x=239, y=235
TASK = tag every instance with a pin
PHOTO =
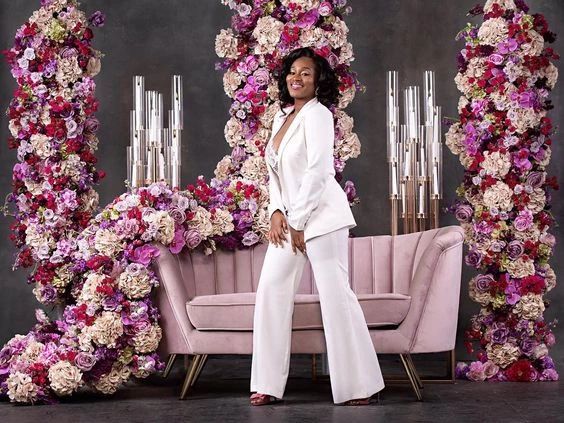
x=326, y=81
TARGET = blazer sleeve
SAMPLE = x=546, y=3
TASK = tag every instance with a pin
x=319, y=140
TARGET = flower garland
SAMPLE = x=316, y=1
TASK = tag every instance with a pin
x=109, y=330
x=53, y=128
x=503, y=142
x=262, y=33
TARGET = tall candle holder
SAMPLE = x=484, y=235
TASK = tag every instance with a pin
x=155, y=150
x=414, y=154
x=415, y=166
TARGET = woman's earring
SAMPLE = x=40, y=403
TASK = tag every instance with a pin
x=317, y=91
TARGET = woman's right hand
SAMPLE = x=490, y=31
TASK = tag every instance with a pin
x=278, y=228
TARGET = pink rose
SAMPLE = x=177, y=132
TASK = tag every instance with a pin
x=325, y=8
x=193, y=238
x=476, y=372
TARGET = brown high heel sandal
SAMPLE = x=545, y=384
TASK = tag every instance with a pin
x=358, y=401
x=263, y=399
x=362, y=401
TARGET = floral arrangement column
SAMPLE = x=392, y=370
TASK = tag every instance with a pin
x=53, y=128
x=503, y=140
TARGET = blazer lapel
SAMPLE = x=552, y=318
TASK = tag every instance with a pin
x=294, y=125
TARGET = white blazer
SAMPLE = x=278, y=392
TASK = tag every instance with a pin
x=305, y=188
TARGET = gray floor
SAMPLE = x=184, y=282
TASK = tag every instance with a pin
x=221, y=394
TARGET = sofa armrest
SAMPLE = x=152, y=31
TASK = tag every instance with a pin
x=430, y=325
x=172, y=295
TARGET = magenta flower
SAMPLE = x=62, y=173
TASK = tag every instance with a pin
x=145, y=254
x=178, y=241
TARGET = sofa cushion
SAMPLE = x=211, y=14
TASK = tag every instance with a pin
x=234, y=312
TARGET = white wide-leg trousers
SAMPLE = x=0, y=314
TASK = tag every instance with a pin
x=353, y=365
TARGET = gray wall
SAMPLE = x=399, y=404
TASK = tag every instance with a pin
x=157, y=39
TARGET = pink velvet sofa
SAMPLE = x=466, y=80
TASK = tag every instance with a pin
x=408, y=287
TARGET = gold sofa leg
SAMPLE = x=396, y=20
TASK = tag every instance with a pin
x=190, y=374
x=414, y=370
x=169, y=363
x=411, y=376
x=201, y=365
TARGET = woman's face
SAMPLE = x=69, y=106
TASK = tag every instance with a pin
x=301, y=79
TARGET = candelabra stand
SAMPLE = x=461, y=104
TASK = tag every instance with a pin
x=414, y=155
x=155, y=151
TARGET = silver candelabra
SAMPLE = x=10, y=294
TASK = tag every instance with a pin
x=414, y=155
x=155, y=151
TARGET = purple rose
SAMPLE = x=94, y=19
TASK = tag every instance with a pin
x=536, y=179
x=142, y=325
x=515, y=249
x=97, y=19
x=499, y=334
x=473, y=258
x=548, y=239
x=112, y=303
x=192, y=238
x=91, y=124
x=523, y=221
x=84, y=361
x=48, y=294
x=527, y=345
x=177, y=215
x=483, y=282
x=145, y=254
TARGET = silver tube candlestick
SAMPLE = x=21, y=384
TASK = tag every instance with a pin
x=154, y=153
x=416, y=163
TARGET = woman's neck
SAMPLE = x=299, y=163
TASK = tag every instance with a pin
x=299, y=103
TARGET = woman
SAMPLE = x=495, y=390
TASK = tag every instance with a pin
x=307, y=203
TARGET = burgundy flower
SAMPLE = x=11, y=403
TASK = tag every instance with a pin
x=521, y=371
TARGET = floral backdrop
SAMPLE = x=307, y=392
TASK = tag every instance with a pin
x=503, y=139
x=97, y=268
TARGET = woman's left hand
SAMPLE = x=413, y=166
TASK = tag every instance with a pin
x=297, y=240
